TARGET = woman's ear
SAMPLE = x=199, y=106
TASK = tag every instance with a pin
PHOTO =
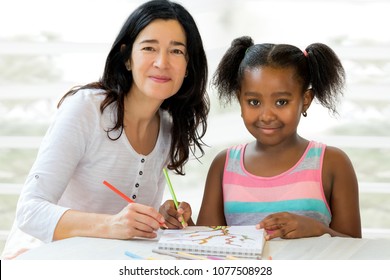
x=127, y=63
x=123, y=47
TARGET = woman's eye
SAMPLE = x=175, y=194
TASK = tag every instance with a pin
x=149, y=49
x=177, y=51
x=253, y=102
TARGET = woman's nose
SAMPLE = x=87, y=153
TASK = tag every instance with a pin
x=161, y=60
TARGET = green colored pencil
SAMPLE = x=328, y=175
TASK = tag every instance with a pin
x=172, y=191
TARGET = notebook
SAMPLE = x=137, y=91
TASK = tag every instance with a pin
x=237, y=241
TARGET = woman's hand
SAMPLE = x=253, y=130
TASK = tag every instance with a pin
x=135, y=220
x=287, y=225
x=179, y=218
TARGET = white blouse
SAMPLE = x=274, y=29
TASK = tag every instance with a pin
x=74, y=159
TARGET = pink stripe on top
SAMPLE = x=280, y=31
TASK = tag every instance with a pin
x=298, y=190
x=286, y=192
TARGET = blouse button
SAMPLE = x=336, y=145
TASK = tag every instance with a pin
x=136, y=185
x=142, y=160
x=140, y=173
x=134, y=196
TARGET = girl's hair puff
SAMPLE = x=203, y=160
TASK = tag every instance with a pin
x=318, y=68
x=226, y=78
x=327, y=74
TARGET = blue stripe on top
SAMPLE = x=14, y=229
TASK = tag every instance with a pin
x=275, y=206
x=308, y=169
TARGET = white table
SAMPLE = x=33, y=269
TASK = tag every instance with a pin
x=314, y=248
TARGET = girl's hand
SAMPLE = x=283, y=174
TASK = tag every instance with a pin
x=287, y=225
x=179, y=218
x=135, y=220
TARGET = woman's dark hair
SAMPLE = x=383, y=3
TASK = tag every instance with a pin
x=317, y=68
x=188, y=108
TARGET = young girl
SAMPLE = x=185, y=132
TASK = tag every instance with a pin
x=288, y=185
x=148, y=111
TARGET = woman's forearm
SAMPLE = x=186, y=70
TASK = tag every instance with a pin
x=74, y=223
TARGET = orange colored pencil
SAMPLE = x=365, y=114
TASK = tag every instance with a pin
x=125, y=197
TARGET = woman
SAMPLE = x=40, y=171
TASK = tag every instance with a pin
x=147, y=111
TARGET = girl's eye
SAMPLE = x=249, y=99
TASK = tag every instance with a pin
x=254, y=102
x=281, y=102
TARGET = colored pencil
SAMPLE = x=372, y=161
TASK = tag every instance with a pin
x=186, y=256
x=125, y=197
x=194, y=257
x=133, y=256
x=172, y=192
x=121, y=194
x=178, y=255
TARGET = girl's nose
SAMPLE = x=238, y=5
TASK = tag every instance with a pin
x=266, y=114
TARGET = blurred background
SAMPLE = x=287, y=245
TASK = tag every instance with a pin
x=46, y=47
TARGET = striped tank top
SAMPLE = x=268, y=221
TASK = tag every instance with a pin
x=249, y=198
